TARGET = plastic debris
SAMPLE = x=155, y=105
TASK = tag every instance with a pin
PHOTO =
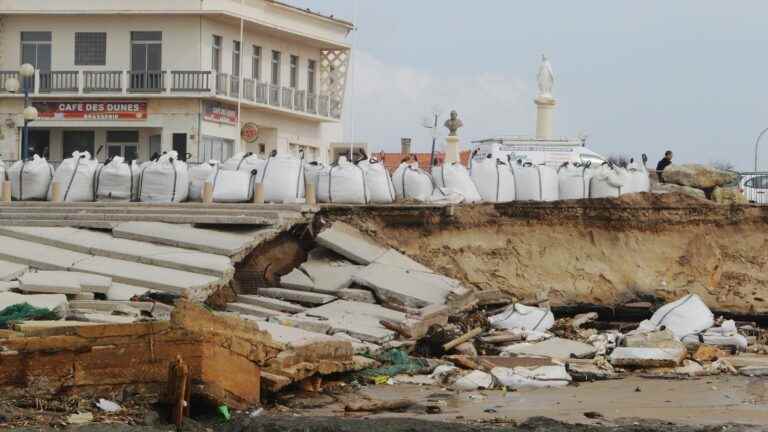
x=108, y=406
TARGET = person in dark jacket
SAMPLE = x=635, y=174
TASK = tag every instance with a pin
x=663, y=164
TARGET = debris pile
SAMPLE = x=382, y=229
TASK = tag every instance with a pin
x=702, y=181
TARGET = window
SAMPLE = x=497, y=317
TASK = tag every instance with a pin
x=760, y=182
x=236, y=58
x=36, y=49
x=146, y=51
x=276, y=68
x=294, y=71
x=311, y=77
x=216, y=54
x=90, y=49
x=215, y=148
x=256, y=63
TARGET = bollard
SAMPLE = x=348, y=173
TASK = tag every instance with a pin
x=56, y=192
x=258, y=193
x=6, y=192
x=310, y=192
x=207, y=192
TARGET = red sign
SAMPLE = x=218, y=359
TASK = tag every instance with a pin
x=219, y=113
x=249, y=133
x=92, y=110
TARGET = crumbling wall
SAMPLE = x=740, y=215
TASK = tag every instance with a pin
x=598, y=251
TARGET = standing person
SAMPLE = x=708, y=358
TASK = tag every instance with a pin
x=663, y=164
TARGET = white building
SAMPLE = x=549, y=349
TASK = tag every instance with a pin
x=138, y=77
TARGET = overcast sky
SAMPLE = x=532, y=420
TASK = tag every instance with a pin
x=685, y=75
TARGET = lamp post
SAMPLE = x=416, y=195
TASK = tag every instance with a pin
x=12, y=85
x=757, y=148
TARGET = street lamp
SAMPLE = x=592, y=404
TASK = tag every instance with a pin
x=12, y=85
x=757, y=148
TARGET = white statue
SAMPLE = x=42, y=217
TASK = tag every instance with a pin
x=546, y=78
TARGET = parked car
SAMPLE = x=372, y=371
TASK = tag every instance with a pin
x=755, y=187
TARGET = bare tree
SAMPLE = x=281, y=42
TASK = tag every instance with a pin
x=723, y=165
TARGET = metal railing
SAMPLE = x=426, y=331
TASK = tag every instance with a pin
x=299, y=100
x=102, y=81
x=248, y=89
x=221, y=83
x=191, y=81
x=287, y=97
x=312, y=103
x=324, y=102
x=234, y=86
x=274, y=95
x=58, y=81
x=5, y=76
x=261, y=92
x=336, y=108
x=146, y=81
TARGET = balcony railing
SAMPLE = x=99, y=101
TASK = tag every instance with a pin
x=58, y=81
x=102, y=81
x=178, y=82
x=146, y=81
x=191, y=81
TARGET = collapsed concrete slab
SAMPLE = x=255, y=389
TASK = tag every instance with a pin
x=556, y=348
x=646, y=357
x=52, y=282
x=53, y=302
x=359, y=320
x=123, y=292
x=327, y=271
x=92, y=283
x=253, y=310
x=350, y=243
x=8, y=286
x=37, y=255
x=310, y=324
x=271, y=303
x=10, y=271
x=303, y=297
x=358, y=295
x=407, y=287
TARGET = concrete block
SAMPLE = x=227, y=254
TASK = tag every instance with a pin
x=83, y=296
x=54, y=302
x=350, y=243
x=406, y=287
x=303, y=322
x=10, y=271
x=647, y=357
x=357, y=295
x=358, y=346
x=8, y=286
x=328, y=272
x=303, y=297
x=556, y=348
x=123, y=292
x=94, y=283
x=394, y=258
x=297, y=280
x=249, y=309
x=36, y=255
x=359, y=320
x=292, y=335
x=53, y=282
x=271, y=303
x=101, y=318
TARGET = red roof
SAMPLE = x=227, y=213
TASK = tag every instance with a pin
x=393, y=160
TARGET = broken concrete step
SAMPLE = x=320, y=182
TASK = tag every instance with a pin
x=271, y=303
x=407, y=287
x=357, y=295
x=292, y=335
x=153, y=308
x=185, y=236
x=240, y=218
x=45, y=328
x=104, y=244
x=50, y=282
x=250, y=309
x=92, y=283
x=8, y=286
x=123, y=292
x=303, y=322
x=37, y=255
x=303, y=297
x=394, y=258
x=193, y=285
x=359, y=320
x=82, y=296
x=647, y=357
x=297, y=280
x=10, y=271
x=350, y=243
x=100, y=317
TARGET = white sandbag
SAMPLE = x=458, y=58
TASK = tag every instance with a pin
x=455, y=177
x=343, y=183
x=233, y=186
x=312, y=172
x=540, y=377
x=573, y=180
x=608, y=182
x=493, y=178
x=535, y=182
x=378, y=183
x=244, y=162
x=413, y=183
x=30, y=179
x=117, y=181
x=637, y=179
x=166, y=180
x=198, y=176
x=520, y=316
x=474, y=380
x=686, y=316
x=283, y=178
x=75, y=175
x=726, y=335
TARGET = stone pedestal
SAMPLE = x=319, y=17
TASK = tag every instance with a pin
x=544, y=113
x=451, y=149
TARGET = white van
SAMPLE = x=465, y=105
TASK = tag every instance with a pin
x=754, y=186
x=553, y=152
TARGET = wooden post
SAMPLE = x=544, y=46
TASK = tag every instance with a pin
x=310, y=191
x=208, y=192
x=178, y=391
x=6, y=192
x=258, y=193
x=56, y=192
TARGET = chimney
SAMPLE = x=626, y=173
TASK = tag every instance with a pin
x=405, y=146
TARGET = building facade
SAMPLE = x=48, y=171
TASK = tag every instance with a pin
x=207, y=78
